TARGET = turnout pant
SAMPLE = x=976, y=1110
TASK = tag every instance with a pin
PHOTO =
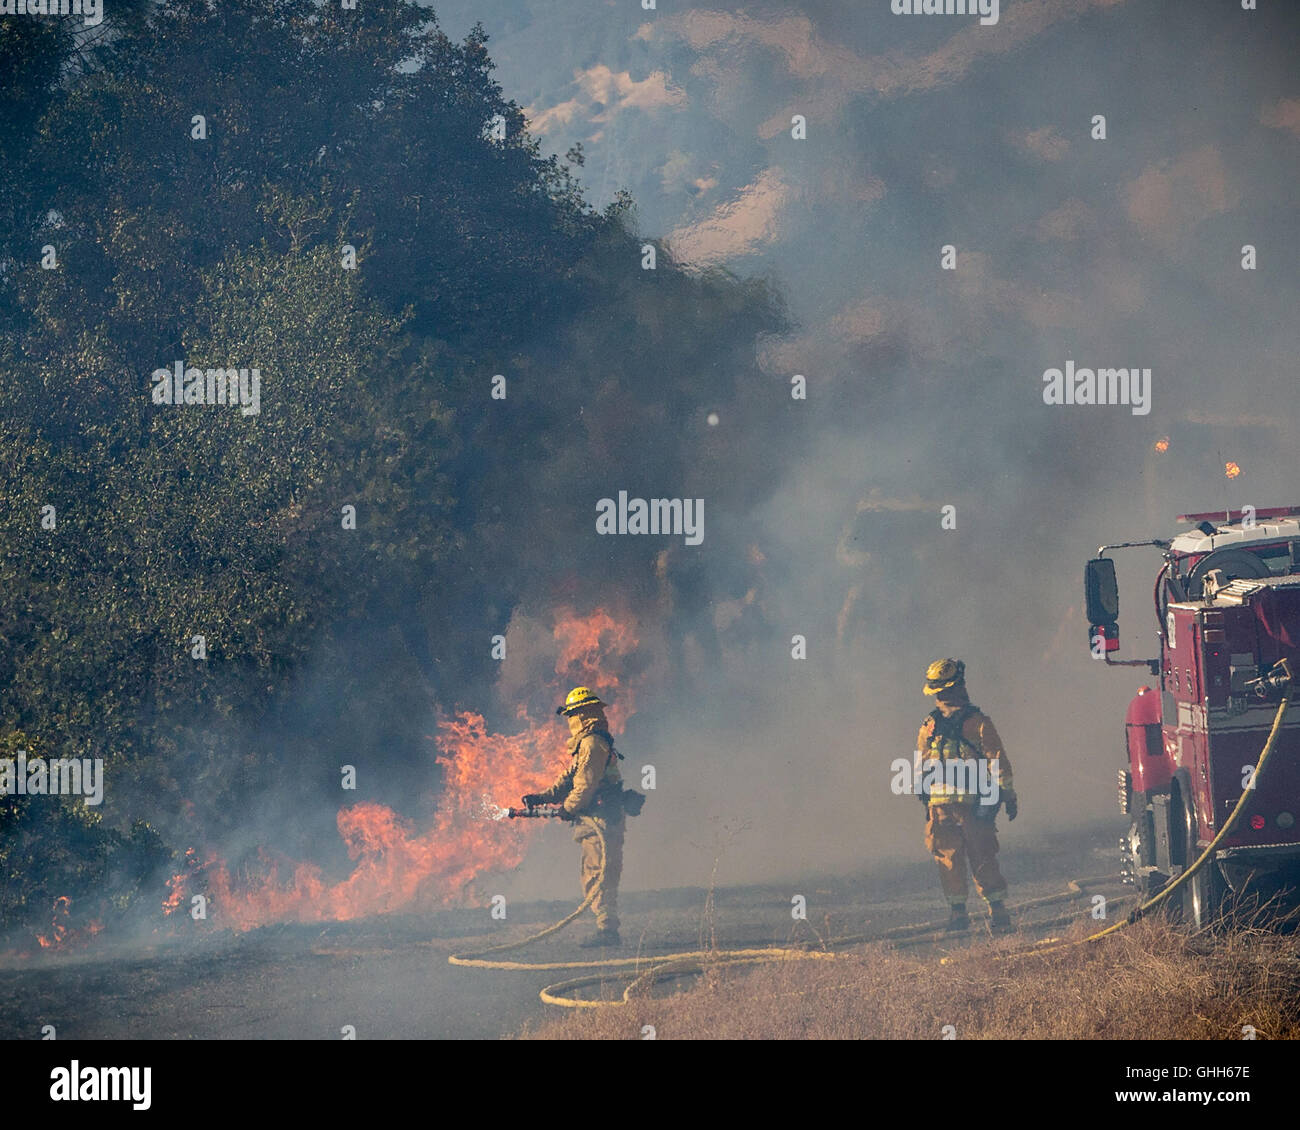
x=605, y=905
x=955, y=836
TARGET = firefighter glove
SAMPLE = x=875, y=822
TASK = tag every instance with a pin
x=563, y=814
x=531, y=800
x=1009, y=803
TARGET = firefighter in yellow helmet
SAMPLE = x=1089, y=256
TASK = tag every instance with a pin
x=960, y=749
x=592, y=786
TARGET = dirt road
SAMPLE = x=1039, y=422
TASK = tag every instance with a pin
x=389, y=979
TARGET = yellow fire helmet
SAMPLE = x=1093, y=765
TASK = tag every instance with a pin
x=577, y=699
x=944, y=673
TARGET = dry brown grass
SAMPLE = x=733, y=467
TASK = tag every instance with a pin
x=1149, y=981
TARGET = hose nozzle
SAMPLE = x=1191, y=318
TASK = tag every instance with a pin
x=1275, y=683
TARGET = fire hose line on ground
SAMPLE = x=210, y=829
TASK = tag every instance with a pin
x=640, y=971
x=637, y=970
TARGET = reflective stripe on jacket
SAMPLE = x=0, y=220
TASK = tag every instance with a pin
x=976, y=738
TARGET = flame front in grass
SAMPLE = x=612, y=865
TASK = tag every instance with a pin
x=397, y=866
x=63, y=933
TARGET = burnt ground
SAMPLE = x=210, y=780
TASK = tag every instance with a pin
x=389, y=977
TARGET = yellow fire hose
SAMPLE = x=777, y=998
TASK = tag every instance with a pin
x=640, y=971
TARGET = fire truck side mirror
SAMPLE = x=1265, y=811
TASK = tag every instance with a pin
x=1101, y=591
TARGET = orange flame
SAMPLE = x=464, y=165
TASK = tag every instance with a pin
x=177, y=883
x=397, y=866
x=62, y=933
x=1162, y=444
x=1231, y=470
x=592, y=649
x=59, y=927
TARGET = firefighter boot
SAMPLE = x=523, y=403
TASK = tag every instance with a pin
x=999, y=919
x=957, y=918
x=601, y=939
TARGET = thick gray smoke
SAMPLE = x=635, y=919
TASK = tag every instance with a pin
x=925, y=385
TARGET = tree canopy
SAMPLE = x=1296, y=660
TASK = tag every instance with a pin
x=184, y=187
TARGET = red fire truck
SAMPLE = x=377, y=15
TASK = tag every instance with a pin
x=1227, y=606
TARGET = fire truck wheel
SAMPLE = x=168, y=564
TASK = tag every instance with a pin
x=1138, y=850
x=1204, y=892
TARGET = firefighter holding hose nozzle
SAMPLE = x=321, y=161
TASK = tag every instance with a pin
x=592, y=786
x=959, y=826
